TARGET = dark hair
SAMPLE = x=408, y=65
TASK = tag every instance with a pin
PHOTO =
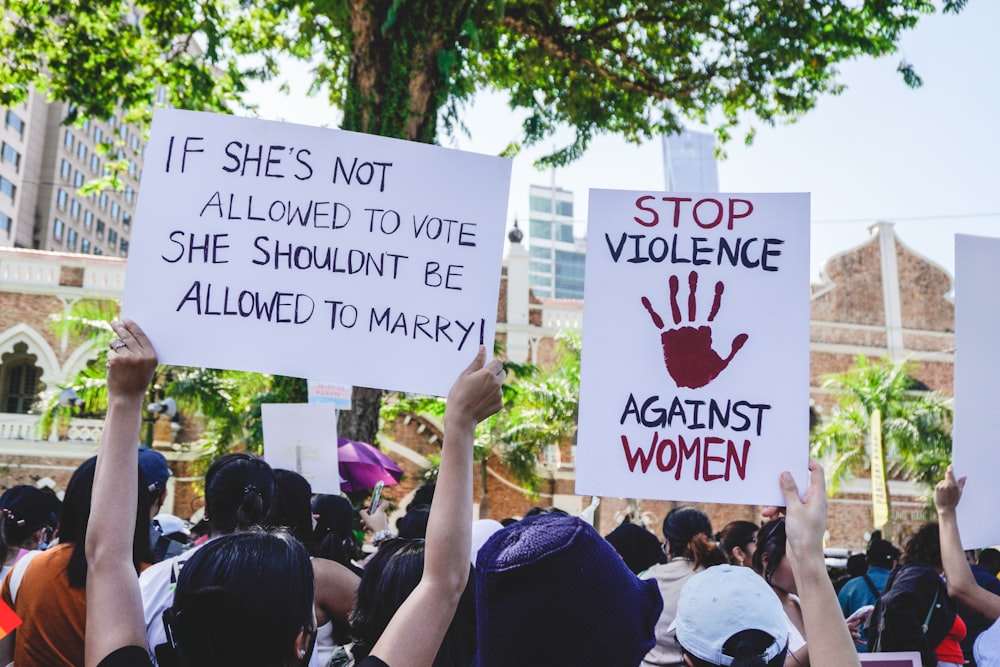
x=24, y=510
x=239, y=490
x=241, y=599
x=770, y=542
x=413, y=524
x=424, y=495
x=545, y=510
x=924, y=546
x=687, y=532
x=638, y=547
x=334, y=531
x=736, y=534
x=76, y=515
x=857, y=564
x=389, y=578
x=990, y=559
x=292, y=507
x=745, y=648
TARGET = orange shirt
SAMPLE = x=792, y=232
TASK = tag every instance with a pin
x=54, y=615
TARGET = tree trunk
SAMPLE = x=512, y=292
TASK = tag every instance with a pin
x=396, y=89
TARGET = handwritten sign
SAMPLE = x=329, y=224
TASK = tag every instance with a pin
x=977, y=366
x=311, y=252
x=337, y=395
x=695, y=368
x=302, y=437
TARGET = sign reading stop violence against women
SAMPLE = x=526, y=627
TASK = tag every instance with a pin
x=311, y=252
x=695, y=367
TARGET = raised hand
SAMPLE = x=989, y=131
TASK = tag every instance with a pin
x=131, y=361
x=476, y=393
x=687, y=351
x=948, y=491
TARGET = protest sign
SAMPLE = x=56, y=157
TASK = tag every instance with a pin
x=695, y=366
x=977, y=366
x=891, y=659
x=337, y=395
x=302, y=437
x=315, y=253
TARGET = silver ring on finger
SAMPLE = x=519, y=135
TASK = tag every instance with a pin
x=119, y=345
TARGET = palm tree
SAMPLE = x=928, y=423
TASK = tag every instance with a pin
x=914, y=424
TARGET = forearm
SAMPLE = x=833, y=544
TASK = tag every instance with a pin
x=449, y=526
x=830, y=642
x=956, y=568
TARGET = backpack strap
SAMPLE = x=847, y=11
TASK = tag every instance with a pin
x=18, y=573
x=930, y=611
x=871, y=586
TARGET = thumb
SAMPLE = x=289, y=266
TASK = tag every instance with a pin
x=789, y=488
x=478, y=361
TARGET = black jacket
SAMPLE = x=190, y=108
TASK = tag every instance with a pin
x=896, y=624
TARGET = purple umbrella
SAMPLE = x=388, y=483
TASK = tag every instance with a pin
x=362, y=465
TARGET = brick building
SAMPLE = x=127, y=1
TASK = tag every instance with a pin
x=879, y=299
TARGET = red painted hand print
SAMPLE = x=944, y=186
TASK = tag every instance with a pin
x=687, y=351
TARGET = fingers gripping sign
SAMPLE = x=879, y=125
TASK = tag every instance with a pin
x=131, y=361
x=476, y=393
x=687, y=350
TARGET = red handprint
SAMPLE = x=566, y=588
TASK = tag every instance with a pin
x=687, y=351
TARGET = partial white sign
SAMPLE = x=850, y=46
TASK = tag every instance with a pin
x=695, y=368
x=977, y=367
x=311, y=252
x=337, y=395
x=302, y=437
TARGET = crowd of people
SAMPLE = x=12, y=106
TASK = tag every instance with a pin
x=279, y=577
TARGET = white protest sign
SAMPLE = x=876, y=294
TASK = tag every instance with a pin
x=310, y=252
x=977, y=367
x=302, y=437
x=338, y=395
x=695, y=369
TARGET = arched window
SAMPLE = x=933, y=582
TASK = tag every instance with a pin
x=19, y=380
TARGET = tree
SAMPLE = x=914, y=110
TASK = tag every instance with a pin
x=403, y=68
x=914, y=423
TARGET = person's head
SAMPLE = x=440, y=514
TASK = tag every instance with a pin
x=413, y=524
x=990, y=560
x=552, y=576
x=239, y=490
x=688, y=534
x=292, y=506
x=881, y=553
x=423, y=495
x=737, y=540
x=75, y=516
x=857, y=565
x=155, y=474
x=769, y=559
x=638, y=547
x=28, y=519
x=244, y=599
x=727, y=615
x=388, y=579
x=334, y=530
x=924, y=546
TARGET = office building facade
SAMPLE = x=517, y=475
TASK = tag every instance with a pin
x=556, y=265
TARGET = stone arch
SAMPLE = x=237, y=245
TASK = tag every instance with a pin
x=46, y=359
x=79, y=359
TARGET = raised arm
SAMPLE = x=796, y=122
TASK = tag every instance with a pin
x=114, y=605
x=961, y=584
x=415, y=632
x=830, y=644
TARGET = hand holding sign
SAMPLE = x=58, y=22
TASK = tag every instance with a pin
x=687, y=351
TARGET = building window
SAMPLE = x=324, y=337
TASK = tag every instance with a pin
x=98, y=251
x=65, y=169
x=95, y=163
x=14, y=122
x=540, y=229
x=57, y=229
x=100, y=229
x=129, y=194
x=98, y=135
x=7, y=188
x=539, y=204
x=85, y=125
x=88, y=219
x=113, y=121
x=102, y=201
x=74, y=208
x=134, y=142
x=68, y=139
x=61, y=198
x=81, y=150
x=20, y=380
x=78, y=179
x=71, y=239
x=540, y=267
x=115, y=209
x=5, y=221
x=565, y=233
x=85, y=245
x=541, y=252
x=112, y=238
x=126, y=219
x=8, y=154
x=124, y=246
x=564, y=208
x=123, y=131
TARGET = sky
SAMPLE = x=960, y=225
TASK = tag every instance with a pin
x=924, y=159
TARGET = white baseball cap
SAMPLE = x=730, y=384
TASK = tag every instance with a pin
x=723, y=601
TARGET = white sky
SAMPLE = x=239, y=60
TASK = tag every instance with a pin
x=924, y=159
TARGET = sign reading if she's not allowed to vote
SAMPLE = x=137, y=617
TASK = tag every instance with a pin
x=315, y=253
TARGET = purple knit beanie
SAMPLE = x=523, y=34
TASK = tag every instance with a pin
x=550, y=591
